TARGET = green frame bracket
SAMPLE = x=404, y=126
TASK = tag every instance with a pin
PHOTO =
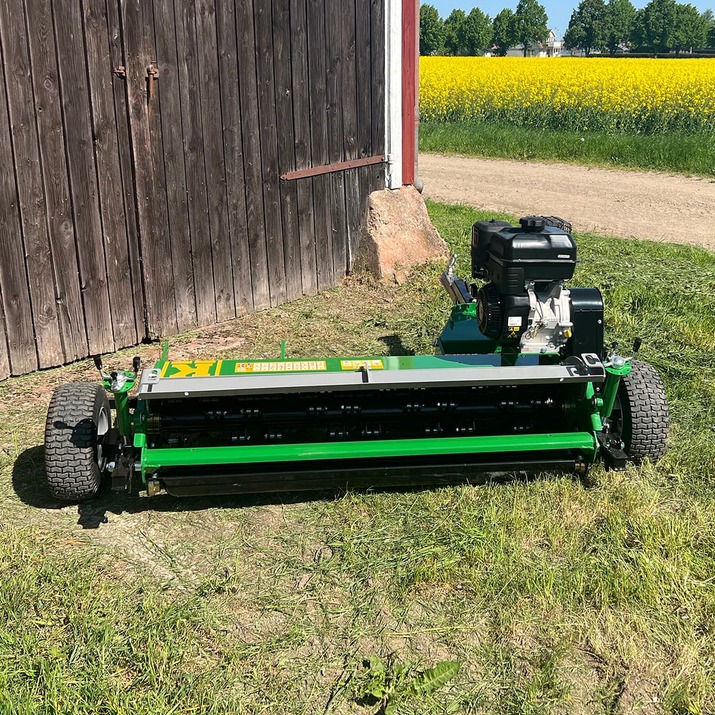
x=614, y=375
x=121, y=402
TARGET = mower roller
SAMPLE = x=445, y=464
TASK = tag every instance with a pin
x=520, y=382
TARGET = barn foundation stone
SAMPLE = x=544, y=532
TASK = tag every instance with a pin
x=399, y=235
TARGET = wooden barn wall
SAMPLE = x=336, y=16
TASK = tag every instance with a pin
x=142, y=144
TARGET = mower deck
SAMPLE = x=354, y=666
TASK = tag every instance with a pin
x=231, y=427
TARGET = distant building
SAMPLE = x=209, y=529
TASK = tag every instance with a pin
x=551, y=48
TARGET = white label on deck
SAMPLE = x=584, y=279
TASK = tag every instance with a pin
x=293, y=366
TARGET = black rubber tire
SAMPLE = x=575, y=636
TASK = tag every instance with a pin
x=71, y=442
x=645, y=416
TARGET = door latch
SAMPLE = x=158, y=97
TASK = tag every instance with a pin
x=152, y=74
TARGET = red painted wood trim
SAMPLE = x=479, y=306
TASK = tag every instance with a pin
x=332, y=168
x=410, y=84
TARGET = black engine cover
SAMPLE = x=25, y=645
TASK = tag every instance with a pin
x=512, y=256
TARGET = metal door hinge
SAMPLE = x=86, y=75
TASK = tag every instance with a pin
x=333, y=168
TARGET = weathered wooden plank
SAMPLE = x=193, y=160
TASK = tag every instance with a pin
x=147, y=150
x=214, y=159
x=14, y=289
x=233, y=155
x=301, y=126
x=269, y=151
x=188, y=67
x=378, y=75
x=378, y=90
x=334, y=19
x=354, y=214
x=109, y=178
x=323, y=232
x=252, y=152
x=45, y=85
x=286, y=152
x=29, y=183
x=363, y=26
x=363, y=68
x=169, y=98
x=83, y=176
x=306, y=227
x=119, y=90
x=162, y=254
x=4, y=360
x=319, y=141
x=348, y=80
x=338, y=225
x=353, y=211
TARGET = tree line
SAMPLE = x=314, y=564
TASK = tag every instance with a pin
x=474, y=33
x=661, y=26
x=595, y=26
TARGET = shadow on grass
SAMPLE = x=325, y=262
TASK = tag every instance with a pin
x=28, y=480
x=395, y=346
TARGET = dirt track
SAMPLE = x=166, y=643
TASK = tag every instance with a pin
x=659, y=207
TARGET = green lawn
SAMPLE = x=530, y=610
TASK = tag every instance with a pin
x=680, y=153
x=554, y=595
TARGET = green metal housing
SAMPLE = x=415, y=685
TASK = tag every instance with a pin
x=586, y=402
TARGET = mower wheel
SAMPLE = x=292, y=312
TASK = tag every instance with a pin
x=644, y=417
x=77, y=420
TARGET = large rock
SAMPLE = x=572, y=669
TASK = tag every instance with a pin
x=399, y=235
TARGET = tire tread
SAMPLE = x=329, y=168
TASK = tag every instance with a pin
x=646, y=413
x=70, y=441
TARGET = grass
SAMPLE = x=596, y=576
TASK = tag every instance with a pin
x=680, y=153
x=555, y=596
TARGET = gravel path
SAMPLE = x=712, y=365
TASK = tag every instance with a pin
x=658, y=207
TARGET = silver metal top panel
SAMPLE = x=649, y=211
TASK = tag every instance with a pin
x=153, y=387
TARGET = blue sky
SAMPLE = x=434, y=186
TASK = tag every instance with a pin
x=558, y=12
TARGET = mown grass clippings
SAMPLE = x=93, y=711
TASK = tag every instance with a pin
x=555, y=596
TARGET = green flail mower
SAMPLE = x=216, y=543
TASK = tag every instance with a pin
x=520, y=382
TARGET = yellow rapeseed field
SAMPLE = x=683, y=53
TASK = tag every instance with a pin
x=583, y=94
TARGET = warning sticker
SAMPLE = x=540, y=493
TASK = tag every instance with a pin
x=357, y=364
x=292, y=366
x=194, y=368
x=514, y=321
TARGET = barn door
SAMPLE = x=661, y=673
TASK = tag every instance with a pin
x=171, y=163
x=190, y=203
x=229, y=102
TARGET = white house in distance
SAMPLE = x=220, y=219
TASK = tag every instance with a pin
x=551, y=48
